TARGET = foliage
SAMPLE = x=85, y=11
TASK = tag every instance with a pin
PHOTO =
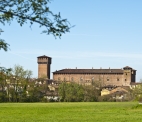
x=13, y=83
x=71, y=92
x=92, y=92
x=33, y=11
x=137, y=92
x=3, y=45
x=71, y=112
x=19, y=72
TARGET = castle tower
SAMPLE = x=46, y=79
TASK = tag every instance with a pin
x=44, y=66
x=128, y=75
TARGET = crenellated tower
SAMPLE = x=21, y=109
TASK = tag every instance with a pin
x=129, y=75
x=44, y=66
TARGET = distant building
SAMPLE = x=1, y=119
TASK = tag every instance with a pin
x=44, y=66
x=116, y=77
x=114, y=82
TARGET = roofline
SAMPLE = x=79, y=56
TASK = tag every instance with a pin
x=43, y=56
x=58, y=72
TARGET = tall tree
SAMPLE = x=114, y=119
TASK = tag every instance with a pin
x=19, y=82
x=71, y=92
x=137, y=92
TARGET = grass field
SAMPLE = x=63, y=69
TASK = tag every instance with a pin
x=71, y=112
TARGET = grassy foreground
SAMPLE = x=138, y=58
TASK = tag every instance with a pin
x=71, y=112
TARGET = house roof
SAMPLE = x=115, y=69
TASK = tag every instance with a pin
x=89, y=71
x=44, y=56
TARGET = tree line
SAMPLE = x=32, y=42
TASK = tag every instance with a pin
x=16, y=85
x=73, y=92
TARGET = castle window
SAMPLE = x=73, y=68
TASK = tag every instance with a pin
x=125, y=79
x=117, y=79
x=64, y=79
x=72, y=79
x=132, y=72
x=107, y=79
x=92, y=79
x=81, y=79
x=126, y=73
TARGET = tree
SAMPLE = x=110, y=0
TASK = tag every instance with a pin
x=3, y=45
x=32, y=11
x=137, y=92
x=71, y=92
x=20, y=80
x=19, y=72
x=4, y=74
x=92, y=92
x=14, y=82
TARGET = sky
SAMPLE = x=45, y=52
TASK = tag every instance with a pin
x=106, y=33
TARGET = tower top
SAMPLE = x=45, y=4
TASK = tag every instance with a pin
x=44, y=56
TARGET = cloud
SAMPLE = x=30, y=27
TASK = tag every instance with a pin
x=78, y=55
x=20, y=56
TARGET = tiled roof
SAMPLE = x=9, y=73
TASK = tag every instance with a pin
x=127, y=67
x=44, y=56
x=89, y=71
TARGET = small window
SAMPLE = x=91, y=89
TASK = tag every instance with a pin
x=126, y=73
x=93, y=79
x=107, y=78
x=117, y=79
x=72, y=79
x=81, y=79
x=125, y=79
x=132, y=72
x=64, y=79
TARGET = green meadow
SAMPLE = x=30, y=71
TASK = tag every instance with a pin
x=71, y=112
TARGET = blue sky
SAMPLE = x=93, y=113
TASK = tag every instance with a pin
x=107, y=33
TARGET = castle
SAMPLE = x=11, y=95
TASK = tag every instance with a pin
x=114, y=77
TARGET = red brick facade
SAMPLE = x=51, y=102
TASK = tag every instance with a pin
x=117, y=77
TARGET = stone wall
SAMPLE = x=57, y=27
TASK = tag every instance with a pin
x=106, y=79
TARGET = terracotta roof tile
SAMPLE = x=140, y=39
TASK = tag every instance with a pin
x=88, y=71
